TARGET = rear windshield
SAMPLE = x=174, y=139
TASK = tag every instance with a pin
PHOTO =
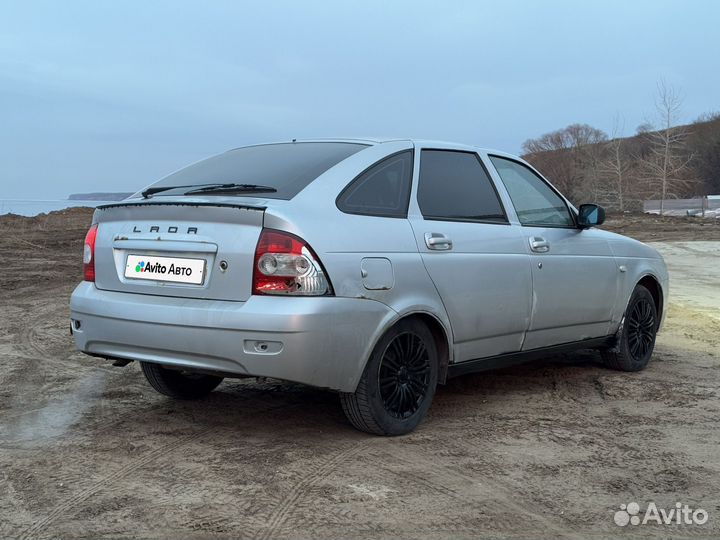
x=287, y=167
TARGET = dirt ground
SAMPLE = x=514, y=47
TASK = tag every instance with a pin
x=550, y=449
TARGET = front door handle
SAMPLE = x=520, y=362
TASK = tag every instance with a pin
x=539, y=245
x=437, y=241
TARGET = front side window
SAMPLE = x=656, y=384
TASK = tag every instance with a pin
x=535, y=202
x=382, y=190
x=455, y=186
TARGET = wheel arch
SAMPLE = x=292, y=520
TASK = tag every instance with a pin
x=441, y=336
x=652, y=284
x=441, y=333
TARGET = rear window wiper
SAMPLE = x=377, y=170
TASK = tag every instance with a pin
x=233, y=188
x=159, y=189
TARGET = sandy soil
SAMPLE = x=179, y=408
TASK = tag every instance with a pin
x=550, y=449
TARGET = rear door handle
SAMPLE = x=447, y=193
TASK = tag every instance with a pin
x=539, y=245
x=437, y=241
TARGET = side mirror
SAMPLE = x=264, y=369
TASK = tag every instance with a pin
x=590, y=215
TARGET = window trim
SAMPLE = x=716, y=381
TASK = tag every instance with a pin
x=378, y=162
x=505, y=221
x=547, y=183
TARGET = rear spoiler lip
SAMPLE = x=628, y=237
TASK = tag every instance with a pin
x=179, y=203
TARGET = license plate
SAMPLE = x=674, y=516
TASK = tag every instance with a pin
x=174, y=269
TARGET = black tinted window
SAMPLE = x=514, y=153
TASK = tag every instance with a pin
x=454, y=185
x=287, y=167
x=534, y=200
x=382, y=190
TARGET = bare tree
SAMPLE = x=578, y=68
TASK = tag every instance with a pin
x=665, y=164
x=643, y=128
x=615, y=167
x=568, y=156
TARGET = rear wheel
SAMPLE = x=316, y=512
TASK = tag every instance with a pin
x=179, y=384
x=398, y=384
x=636, y=340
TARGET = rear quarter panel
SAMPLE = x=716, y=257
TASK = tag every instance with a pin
x=342, y=241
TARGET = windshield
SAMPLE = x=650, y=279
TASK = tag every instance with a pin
x=285, y=167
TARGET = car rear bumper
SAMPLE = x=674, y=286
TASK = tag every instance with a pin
x=322, y=341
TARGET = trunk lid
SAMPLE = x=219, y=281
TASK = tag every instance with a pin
x=191, y=249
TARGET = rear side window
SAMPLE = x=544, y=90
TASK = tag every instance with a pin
x=535, y=202
x=287, y=167
x=455, y=186
x=382, y=190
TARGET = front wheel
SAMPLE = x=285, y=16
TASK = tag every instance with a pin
x=398, y=384
x=179, y=384
x=636, y=339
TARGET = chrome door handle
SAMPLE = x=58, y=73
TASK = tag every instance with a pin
x=437, y=241
x=539, y=245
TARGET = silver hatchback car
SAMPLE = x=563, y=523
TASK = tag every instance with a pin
x=377, y=269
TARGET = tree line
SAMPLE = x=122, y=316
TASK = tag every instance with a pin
x=663, y=160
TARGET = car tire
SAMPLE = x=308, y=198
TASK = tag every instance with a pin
x=398, y=383
x=179, y=384
x=636, y=338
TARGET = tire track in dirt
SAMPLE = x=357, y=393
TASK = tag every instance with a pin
x=300, y=489
x=45, y=328
x=31, y=332
x=39, y=339
x=437, y=476
x=39, y=527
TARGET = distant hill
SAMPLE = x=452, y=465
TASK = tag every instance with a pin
x=100, y=196
x=622, y=172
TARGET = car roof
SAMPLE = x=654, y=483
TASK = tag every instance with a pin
x=424, y=143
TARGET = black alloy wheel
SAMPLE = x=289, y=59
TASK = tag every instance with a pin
x=404, y=375
x=641, y=328
x=636, y=337
x=399, y=381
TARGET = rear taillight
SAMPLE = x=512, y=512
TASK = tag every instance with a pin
x=287, y=265
x=89, y=254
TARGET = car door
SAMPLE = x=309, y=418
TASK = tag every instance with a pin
x=474, y=256
x=575, y=276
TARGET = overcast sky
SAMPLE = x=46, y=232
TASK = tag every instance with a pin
x=101, y=96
